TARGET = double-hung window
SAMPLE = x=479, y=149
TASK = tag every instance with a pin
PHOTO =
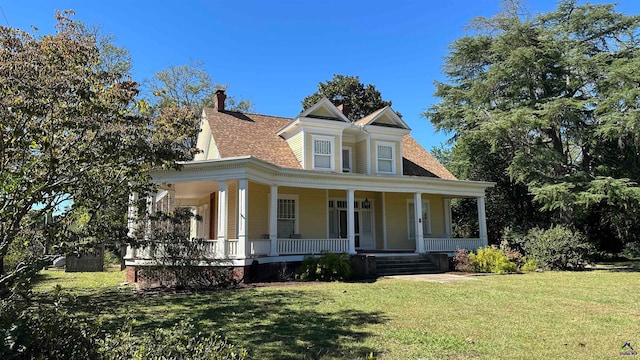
x=385, y=154
x=287, y=217
x=323, y=153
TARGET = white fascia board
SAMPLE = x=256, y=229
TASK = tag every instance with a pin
x=261, y=171
x=381, y=132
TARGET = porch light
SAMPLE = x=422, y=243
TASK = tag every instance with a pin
x=366, y=204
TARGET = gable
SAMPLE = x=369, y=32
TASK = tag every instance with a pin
x=384, y=117
x=324, y=109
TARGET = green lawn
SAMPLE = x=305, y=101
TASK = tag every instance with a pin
x=551, y=315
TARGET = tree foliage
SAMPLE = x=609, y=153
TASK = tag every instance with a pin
x=361, y=99
x=74, y=141
x=557, y=98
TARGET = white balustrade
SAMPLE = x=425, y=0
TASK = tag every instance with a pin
x=217, y=249
x=312, y=246
x=259, y=247
x=451, y=244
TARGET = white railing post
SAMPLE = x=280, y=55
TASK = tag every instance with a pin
x=482, y=221
x=223, y=199
x=243, y=215
x=273, y=220
x=417, y=203
x=351, y=230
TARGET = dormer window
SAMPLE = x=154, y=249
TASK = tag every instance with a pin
x=323, y=156
x=385, y=154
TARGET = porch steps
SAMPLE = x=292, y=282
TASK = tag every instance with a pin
x=404, y=265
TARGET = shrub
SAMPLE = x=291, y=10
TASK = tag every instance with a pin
x=461, y=261
x=45, y=331
x=327, y=267
x=558, y=248
x=631, y=250
x=529, y=265
x=491, y=260
x=179, y=342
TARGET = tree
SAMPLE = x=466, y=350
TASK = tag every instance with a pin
x=188, y=87
x=361, y=99
x=557, y=96
x=72, y=133
x=191, y=86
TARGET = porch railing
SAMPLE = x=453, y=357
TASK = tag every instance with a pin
x=216, y=249
x=312, y=246
x=451, y=244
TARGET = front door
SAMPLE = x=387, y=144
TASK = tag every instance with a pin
x=363, y=223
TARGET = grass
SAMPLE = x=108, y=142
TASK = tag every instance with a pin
x=559, y=315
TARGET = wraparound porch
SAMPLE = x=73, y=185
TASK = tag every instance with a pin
x=251, y=209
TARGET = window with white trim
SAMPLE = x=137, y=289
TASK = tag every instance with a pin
x=287, y=217
x=385, y=154
x=425, y=218
x=323, y=152
x=346, y=159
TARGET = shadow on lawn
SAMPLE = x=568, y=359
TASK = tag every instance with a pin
x=289, y=324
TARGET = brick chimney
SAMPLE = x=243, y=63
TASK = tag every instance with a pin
x=345, y=109
x=220, y=97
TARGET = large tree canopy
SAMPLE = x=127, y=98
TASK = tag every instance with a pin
x=72, y=133
x=558, y=96
x=361, y=99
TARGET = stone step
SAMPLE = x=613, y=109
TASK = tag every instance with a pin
x=404, y=265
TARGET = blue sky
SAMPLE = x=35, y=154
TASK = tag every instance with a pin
x=275, y=52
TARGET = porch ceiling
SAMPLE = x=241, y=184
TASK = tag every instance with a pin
x=194, y=189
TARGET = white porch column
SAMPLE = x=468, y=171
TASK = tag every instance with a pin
x=273, y=220
x=223, y=207
x=171, y=200
x=351, y=229
x=243, y=216
x=417, y=202
x=384, y=222
x=482, y=221
x=132, y=214
x=447, y=218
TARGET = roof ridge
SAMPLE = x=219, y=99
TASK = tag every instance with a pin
x=249, y=113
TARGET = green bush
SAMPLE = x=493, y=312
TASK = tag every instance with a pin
x=17, y=252
x=631, y=250
x=558, y=248
x=529, y=265
x=491, y=260
x=45, y=331
x=327, y=267
x=179, y=342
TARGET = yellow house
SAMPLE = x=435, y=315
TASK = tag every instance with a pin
x=272, y=189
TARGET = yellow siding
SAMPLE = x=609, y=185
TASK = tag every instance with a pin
x=295, y=143
x=360, y=157
x=232, y=191
x=258, y=210
x=322, y=112
x=397, y=226
x=213, y=149
x=436, y=204
x=312, y=210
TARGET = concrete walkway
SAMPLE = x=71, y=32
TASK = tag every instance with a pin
x=439, y=278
